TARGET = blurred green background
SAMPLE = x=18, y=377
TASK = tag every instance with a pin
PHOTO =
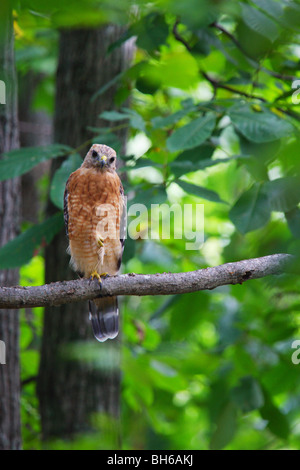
x=210, y=106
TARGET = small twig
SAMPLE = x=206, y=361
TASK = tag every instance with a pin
x=28, y=380
x=178, y=37
x=217, y=84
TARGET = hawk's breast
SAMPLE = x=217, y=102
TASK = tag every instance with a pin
x=94, y=211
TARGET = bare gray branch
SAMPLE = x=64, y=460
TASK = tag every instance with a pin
x=58, y=293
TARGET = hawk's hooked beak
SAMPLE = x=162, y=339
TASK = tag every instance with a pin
x=102, y=160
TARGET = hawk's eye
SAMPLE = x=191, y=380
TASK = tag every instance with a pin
x=94, y=154
x=112, y=159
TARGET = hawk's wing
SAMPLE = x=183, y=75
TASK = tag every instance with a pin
x=123, y=223
x=66, y=210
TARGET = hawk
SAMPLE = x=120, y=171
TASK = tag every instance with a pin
x=93, y=210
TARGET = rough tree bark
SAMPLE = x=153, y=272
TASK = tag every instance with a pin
x=10, y=433
x=69, y=392
x=35, y=129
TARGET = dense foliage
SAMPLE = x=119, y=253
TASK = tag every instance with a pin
x=213, y=120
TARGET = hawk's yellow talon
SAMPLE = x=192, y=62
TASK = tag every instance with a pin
x=98, y=276
x=95, y=275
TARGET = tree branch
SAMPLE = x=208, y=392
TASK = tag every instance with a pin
x=58, y=293
x=216, y=84
x=178, y=37
x=274, y=74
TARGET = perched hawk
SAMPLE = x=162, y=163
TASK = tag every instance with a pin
x=93, y=208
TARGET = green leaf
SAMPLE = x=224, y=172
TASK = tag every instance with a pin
x=129, y=251
x=181, y=324
x=30, y=359
x=203, y=152
x=283, y=193
x=136, y=120
x=165, y=378
x=291, y=17
x=153, y=195
x=277, y=421
x=29, y=53
x=166, y=121
x=60, y=178
x=293, y=220
x=163, y=369
x=255, y=159
x=192, y=134
x=17, y=162
x=151, y=31
x=271, y=8
x=107, y=85
x=147, y=84
x=172, y=61
x=259, y=22
x=226, y=427
x=251, y=211
x=140, y=163
x=248, y=395
x=257, y=169
x=265, y=152
x=113, y=116
x=193, y=160
x=199, y=191
x=126, y=35
x=156, y=253
x=182, y=168
x=227, y=327
x=259, y=127
x=22, y=248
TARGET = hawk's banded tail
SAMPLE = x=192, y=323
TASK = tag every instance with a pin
x=104, y=315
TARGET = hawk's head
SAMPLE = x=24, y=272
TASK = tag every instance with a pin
x=100, y=157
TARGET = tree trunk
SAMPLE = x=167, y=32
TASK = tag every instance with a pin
x=71, y=391
x=35, y=129
x=10, y=433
